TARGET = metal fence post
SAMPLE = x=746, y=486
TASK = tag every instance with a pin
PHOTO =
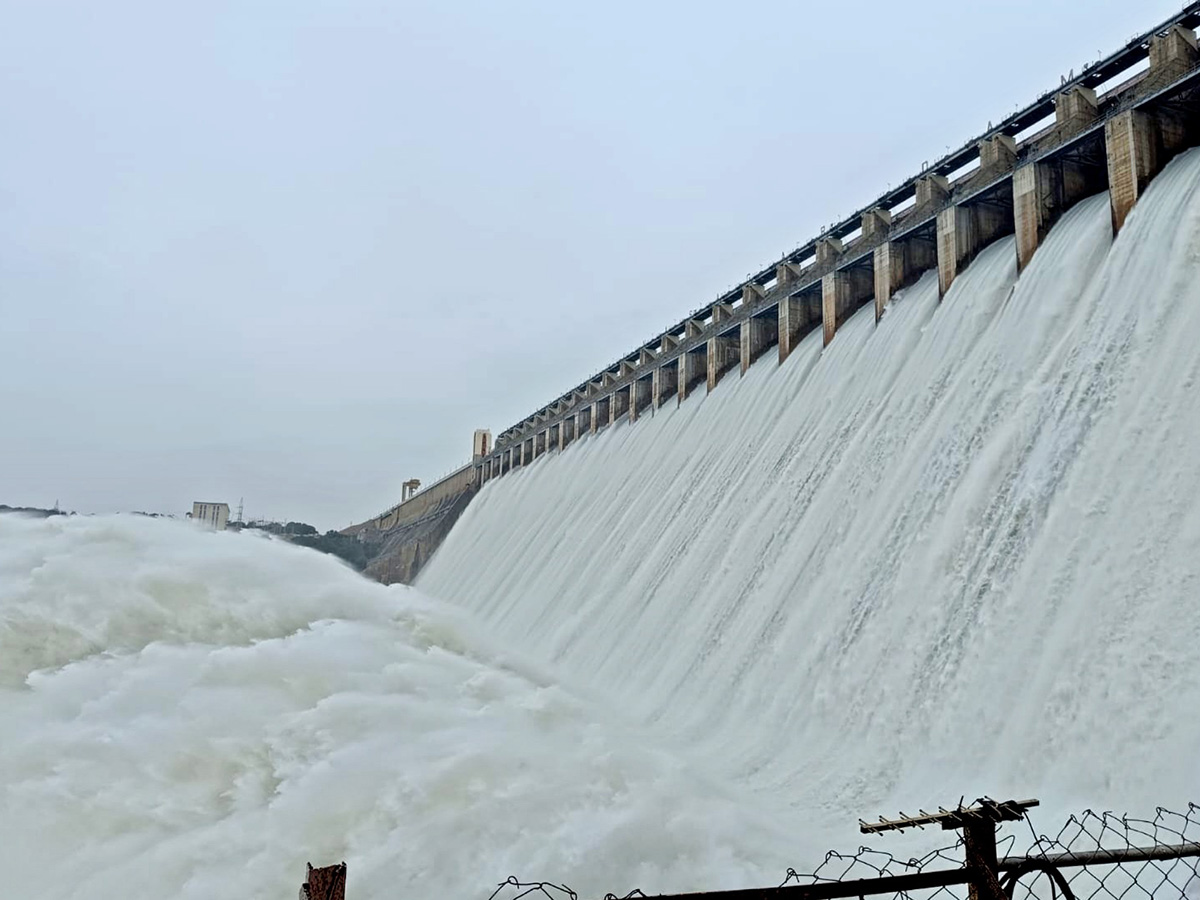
x=979, y=840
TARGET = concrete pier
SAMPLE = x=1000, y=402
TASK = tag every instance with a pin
x=828, y=251
x=787, y=273
x=962, y=231
x=620, y=404
x=798, y=315
x=752, y=294
x=876, y=223
x=566, y=433
x=600, y=414
x=1074, y=110
x=966, y=228
x=1138, y=144
x=694, y=371
x=666, y=383
x=997, y=155
x=792, y=316
x=583, y=421
x=757, y=334
x=1173, y=53
x=931, y=192
x=841, y=294
x=723, y=352
x=1042, y=192
x=900, y=263
x=641, y=395
x=1131, y=140
x=1046, y=187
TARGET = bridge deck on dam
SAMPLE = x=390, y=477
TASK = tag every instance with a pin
x=1111, y=128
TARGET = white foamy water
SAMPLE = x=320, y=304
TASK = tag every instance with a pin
x=958, y=553
x=190, y=714
x=954, y=554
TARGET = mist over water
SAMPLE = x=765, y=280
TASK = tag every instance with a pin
x=192, y=714
x=958, y=553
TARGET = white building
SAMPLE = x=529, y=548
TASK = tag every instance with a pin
x=482, y=443
x=212, y=515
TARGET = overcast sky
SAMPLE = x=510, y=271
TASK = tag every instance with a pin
x=298, y=251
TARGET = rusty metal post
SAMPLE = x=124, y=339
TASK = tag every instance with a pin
x=328, y=883
x=979, y=838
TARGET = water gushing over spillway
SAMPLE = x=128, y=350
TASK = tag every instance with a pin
x=954, y=554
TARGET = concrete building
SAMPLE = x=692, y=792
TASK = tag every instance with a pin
x=211, y=515
x=481, y=446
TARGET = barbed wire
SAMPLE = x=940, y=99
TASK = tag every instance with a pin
x=1074, y=864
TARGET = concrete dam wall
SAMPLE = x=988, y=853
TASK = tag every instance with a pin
x=402, y=539
x=1111, y=129
x=953, y=553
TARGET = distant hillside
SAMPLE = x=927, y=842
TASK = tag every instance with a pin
x=32, y=511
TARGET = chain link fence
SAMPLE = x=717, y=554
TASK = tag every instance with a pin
x=1093, y=856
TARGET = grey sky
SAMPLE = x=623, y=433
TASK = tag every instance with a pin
x=298, y=251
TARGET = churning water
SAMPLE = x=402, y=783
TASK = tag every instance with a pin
x=955, y=554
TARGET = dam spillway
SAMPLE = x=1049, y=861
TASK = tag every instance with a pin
x=957, y=551
x=953, y=553
x=1111, y=128
x=835, y=545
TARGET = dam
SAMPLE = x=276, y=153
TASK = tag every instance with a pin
x=1112, y=128
x=951, y=551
